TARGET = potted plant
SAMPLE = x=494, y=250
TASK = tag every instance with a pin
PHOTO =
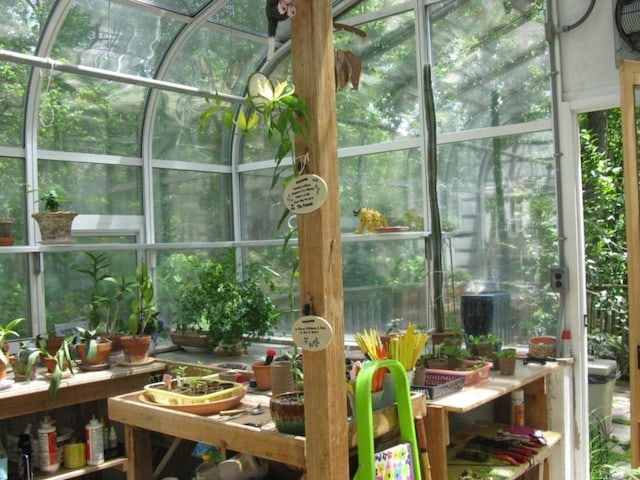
x=262, y=370
x=25, y=361
x=6, y=238
x=57, y=362
x=287, y=409
x=8, y=330
x=109, y=296
x=93, y=349
x=507, y=361
x=55, y=224
x=143, y=319
x=232, y=311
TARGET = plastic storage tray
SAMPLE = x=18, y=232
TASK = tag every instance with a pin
x=471, y=377
x=158, y=393
x=438, y=385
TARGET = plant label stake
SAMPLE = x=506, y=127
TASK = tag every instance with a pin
x=312, y=333
x=305, y=193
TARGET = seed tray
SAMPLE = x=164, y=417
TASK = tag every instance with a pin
x=438, y=385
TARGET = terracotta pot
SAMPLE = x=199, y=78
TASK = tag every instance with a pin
x=262, y=374
x=55, y=227
x=116, y=344
x=287, y=412
x=19, y=369
x=102, y=356
x=53, y=344
x=136, y=349
x=50, y=364
x=3, y=370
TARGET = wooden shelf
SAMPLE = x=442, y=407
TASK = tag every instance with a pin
x=23, y=398
x=531, y=378
x=493, y=468
x=119, y=463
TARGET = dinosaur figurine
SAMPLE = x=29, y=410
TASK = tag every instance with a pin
x=370, y=219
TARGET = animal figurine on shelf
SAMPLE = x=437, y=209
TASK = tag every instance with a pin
x=370, y=219
x=277, y=11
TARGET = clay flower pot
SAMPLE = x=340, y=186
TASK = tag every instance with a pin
x=287, y=412
x=135, y=349
x=262, y=374
x=102, y=356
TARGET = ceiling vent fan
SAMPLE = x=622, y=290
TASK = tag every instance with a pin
x=627, y=18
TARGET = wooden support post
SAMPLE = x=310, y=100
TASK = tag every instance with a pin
x=320, y=245
x=138, y=446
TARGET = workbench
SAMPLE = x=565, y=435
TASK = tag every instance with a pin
x=496, y=390
x=252, y=434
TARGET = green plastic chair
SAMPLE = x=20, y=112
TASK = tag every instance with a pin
x=408, y=448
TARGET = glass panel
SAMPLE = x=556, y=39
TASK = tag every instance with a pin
x=21, y=24
x=389, y=182
x=386, y=105
x=241, y=15
x=13, y=82
x=14, y=284
x=192, y=206
x=83, y=114
x=69, y=287
x=205, y=61
x=370, y=6
x=498, y=209
x=92, y=188
x=112, y=36
x=262, y=207
x=186, y=7
x=383, y=281
x=490, y=62
x=177, y=134
x=13, y=196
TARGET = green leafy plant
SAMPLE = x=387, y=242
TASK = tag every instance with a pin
x=108, y=294
x=63, y=361
x=144, y=308
x=90, y=338
x=230, y=310
x=8, y=330
x=507, y=353
x=274, y=107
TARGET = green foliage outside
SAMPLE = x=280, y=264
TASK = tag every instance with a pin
x=605, y=236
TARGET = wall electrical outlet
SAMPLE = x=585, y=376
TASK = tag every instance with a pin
x=559, y=277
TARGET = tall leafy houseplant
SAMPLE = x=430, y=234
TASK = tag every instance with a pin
x=143, y=319
x=230, y=310
x=274, y=107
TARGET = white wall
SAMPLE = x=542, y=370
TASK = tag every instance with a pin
x=588, y=59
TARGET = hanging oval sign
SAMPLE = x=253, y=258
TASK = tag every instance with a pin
x=305, y=193
x=312, y=333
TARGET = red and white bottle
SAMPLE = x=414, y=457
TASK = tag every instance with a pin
x=94, y=439
x=48, y=446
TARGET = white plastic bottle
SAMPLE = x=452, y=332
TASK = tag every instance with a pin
x=47, y=443
x=94, y=439
x=4, y=461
